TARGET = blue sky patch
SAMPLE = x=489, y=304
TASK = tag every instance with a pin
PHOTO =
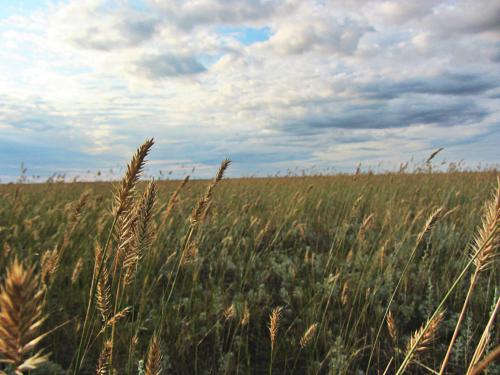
x=246, y=35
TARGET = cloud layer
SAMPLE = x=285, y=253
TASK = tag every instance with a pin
x=272, y=84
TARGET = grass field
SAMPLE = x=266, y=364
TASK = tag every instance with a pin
x=303, y=275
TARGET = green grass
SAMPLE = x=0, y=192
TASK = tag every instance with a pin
x=295, y=242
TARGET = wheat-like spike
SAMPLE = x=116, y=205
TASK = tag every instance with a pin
x=153, y=364
x=115, y=318
x=230, y=312
x=204, y=203
x=391, y=326
x=274, y=321
x=487, y=241
x=74, y=217
x=344, y=296
x=21, y=304
x=103, y=362
x=173, y=198
x=423, y=338
x=433, y=155
x=365, y=225
x=145, y=214
x=142, y=233
x=103, y=292
x=77, y=270
x=245, y=319
x=123, y=196
x=435, y=216
x=119, y=316
x=49, y=264
x=125, y=230
x=306, y=338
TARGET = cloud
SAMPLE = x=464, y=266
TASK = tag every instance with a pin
x=96, y=26
x=162, y=66
x=318, y=34
x=446, y=83
x=273, y=84
x=190, y=14
x=398, y=113
x=470, y=16
x=402, y=11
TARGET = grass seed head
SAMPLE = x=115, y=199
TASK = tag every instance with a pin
x=21, y=317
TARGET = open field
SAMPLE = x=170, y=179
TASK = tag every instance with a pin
x=321, y=255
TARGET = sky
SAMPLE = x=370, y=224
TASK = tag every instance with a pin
x=273, y=85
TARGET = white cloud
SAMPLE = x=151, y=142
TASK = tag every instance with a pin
x=101, y=76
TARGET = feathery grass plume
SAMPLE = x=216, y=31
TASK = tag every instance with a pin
x=124, y=202
x=153, y=363
x=487, y=242
x=425, y=335
x=142, y=233
x=191, y=253
x=123, y=209
x=391, y=326
x=103, y=362
x=103, y=292
x=116, y=318
x=435, y=216
x=433, y=155
x=124, y=196
x=344, y=296
x=230, y=312
x=173, y=199
x=21, y=316
x=48, y=266
x=204, y=203
x=74, y=218
x=365, y=226
x=77, y=270
x=6, y=250
x=245, y=319
x=485, y=338
x=274, y=321
x=484, y=253
x=125, y=233
x=306, y=338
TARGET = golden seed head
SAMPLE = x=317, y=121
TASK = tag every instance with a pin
x=306, y=338
x=274, y=320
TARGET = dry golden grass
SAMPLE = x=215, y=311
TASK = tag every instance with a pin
x=347, y=253
x=274, y=322
x=484, y=253
x=153, y=364
x=21, y=318
x=308, y=335
x=423, y=338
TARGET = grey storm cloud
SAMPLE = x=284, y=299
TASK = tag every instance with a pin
x=389, y=114
x=187, y=16
x=444, y=84
x=166, y=65
x=471, y=17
